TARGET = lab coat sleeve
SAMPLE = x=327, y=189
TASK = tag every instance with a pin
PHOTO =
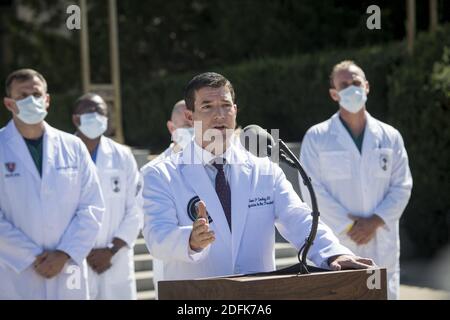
x=132, y=220
x=337, y=215
x=165, y=238
x=294, y=221
x=16, y=250
x=80, y=235
x=391, y=207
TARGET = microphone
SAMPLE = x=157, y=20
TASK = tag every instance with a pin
x=260, y=143
x=257, y=141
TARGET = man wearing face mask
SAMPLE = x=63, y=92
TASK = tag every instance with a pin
x=51, y=204
x=111, y=272
x=181, y=129
x=359, y=169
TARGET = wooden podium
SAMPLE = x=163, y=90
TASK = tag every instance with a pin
x=368, y=284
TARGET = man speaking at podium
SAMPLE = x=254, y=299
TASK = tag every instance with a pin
x=210, y=210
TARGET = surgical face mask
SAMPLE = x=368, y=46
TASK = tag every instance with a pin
x=353, y=98
x=183, y=136
x=32, y=110
x=93, y=125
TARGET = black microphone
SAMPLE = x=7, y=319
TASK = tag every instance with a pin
x=257, y=141
x=260, y=143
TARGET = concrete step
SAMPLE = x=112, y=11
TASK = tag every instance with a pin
x=285, y=254
x=143, y=262
x=283, y=250
x=285, y=262
x=144, y=280
x=140, y=247
x=146, y=295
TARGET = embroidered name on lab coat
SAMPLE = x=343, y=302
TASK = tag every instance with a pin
x=259, y=201
x=11, y=168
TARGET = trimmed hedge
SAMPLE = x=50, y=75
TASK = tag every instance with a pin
x=419, y=106
x=290, y=94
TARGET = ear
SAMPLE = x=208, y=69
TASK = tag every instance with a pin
x=334, y=95
x=367, y=87
x=47, y=101
x=189, y=115
x=170, y=126
x=76, y=120
x=10, y=104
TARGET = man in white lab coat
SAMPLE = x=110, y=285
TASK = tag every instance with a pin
x=359, y=169
x=211, y=209
x=51, y=204
x=181, y=130
x=111, y=264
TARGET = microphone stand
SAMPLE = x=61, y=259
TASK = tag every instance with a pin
x=290, y=159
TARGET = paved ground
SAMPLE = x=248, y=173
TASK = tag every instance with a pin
x=422, y=293
x=425, y=280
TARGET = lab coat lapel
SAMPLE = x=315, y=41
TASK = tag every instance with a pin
x=50, y=149
x=196, y=176
x=19, y=147
x=343, y=136
x=104, y=159
x=372, y=136
x=241, y=171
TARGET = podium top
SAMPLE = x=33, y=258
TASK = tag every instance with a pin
x=330, y=285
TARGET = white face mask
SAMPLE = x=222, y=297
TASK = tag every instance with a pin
x=183, y=136
x=93, y=125
x=32, y=110
x=353, y=98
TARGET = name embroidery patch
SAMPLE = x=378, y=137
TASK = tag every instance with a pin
x=11, y=168
x=260, y=201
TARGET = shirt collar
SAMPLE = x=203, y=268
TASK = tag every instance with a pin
x=207, y=157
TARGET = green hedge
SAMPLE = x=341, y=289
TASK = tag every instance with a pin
x=419, y=106
x=290, y=94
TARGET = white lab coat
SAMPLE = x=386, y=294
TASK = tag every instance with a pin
x=261, y=197
x=120, y=182
x=345, y=181
x=62, y=210
x=158, y=265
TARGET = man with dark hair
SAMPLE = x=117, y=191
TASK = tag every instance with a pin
x=51, y=205
x=111, y=264
x=211, y=209
x=359, y=168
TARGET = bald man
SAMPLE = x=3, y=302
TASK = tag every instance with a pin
x=111, y=265
x=181, y=129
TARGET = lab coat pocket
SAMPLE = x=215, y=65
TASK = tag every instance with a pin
x=335, y=165
x=382, y=162
x=113, y=183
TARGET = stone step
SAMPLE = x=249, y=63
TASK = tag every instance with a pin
x=282, y=250
x=285, y=254
x=144, y=280
x=146, y=295
x=143, y=262
x=140, y=247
